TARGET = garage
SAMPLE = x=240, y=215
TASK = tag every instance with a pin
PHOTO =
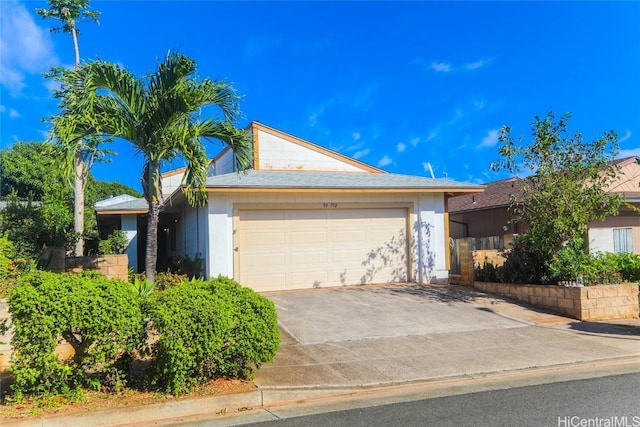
x=281, y=249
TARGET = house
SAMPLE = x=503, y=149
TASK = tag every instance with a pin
x=302, y=216
x=486, y=214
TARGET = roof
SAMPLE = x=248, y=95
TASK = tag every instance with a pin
x=626, y=160
x=496, y=194
x=253, y=179
x=122, y=205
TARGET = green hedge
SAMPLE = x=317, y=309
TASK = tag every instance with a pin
x=100, y=318
x=202, y=330
x=208, y=330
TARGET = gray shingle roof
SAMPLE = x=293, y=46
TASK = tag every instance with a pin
x=347, y=180
x=135, y=205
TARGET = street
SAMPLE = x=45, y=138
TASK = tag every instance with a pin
x=599, y=402
x=613, y=399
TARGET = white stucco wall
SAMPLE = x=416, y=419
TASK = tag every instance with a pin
x=428, y=208
x=279, y=154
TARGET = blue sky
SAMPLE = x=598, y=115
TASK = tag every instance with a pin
x=394, y=84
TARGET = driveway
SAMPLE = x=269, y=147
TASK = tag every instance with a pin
x=358, y=336
x=374, y=312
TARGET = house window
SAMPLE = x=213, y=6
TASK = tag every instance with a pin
x=622, y=240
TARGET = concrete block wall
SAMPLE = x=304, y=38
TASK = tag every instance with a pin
x=591, y=303
x=110, y=266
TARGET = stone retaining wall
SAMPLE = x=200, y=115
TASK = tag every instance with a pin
x=110, y=266
x=602, y=302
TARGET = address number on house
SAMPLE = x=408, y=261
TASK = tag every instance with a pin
x=329, y=205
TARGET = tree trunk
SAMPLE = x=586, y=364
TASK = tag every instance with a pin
x=151, y=256
x=79, y=174
x=78, y=200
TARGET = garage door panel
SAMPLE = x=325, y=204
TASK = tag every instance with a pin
x=266, y=239
x=349, y=235
x=309, y=279
x=269, y=260
x=349, y=255
x=299, y=258
x=266, y=282
x=322, y=247
x=308, y=237
x=386, y=234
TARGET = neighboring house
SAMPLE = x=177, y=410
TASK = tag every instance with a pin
x=301, y=217
x=487, y=214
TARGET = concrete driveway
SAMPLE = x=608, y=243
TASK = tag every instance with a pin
x=374, y=312
x=354, y=337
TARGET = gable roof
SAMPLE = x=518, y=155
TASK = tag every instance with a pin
x=496, y=194
x=123, y=204
x=343, y=181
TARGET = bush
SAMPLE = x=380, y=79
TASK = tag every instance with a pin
x=115, y=243
x=525, y=263
x=98, y=317
x=488, y=272
x=208, y=330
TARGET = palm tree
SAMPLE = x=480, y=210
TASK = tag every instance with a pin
x=160, y=116
x=69, y=12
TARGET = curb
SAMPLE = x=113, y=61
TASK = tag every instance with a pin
x=274, y=397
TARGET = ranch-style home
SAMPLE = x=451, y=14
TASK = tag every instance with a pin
x=301, y=217
x=486, y=215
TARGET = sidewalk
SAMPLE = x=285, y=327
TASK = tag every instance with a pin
x=528, y=344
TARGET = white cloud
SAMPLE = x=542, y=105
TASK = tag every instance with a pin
x=479, y=105
x=386, y=160
x=401, y=147
x=475, y=65
x=313, y=117
x=25, y=48
x=448, y=67
x=13, y=113
x=415, y=141
x=356, y=136
x=491, y=139
x=441, y=67
x=626, y=136
x=361, y=153
x=431, y=136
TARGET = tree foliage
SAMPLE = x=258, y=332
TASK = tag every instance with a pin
x=160, y=116
x=28, y=170
x=37, y=208
x=565, y=182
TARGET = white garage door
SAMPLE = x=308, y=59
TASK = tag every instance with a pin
x=298, y=249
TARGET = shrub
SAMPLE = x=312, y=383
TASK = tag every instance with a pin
x=98, y=317
x=115, y=243
x=208, y=330
x=487, y=273
x=168, y=279
x=525, y=263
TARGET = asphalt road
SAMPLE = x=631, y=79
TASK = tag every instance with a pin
x=607, y=401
